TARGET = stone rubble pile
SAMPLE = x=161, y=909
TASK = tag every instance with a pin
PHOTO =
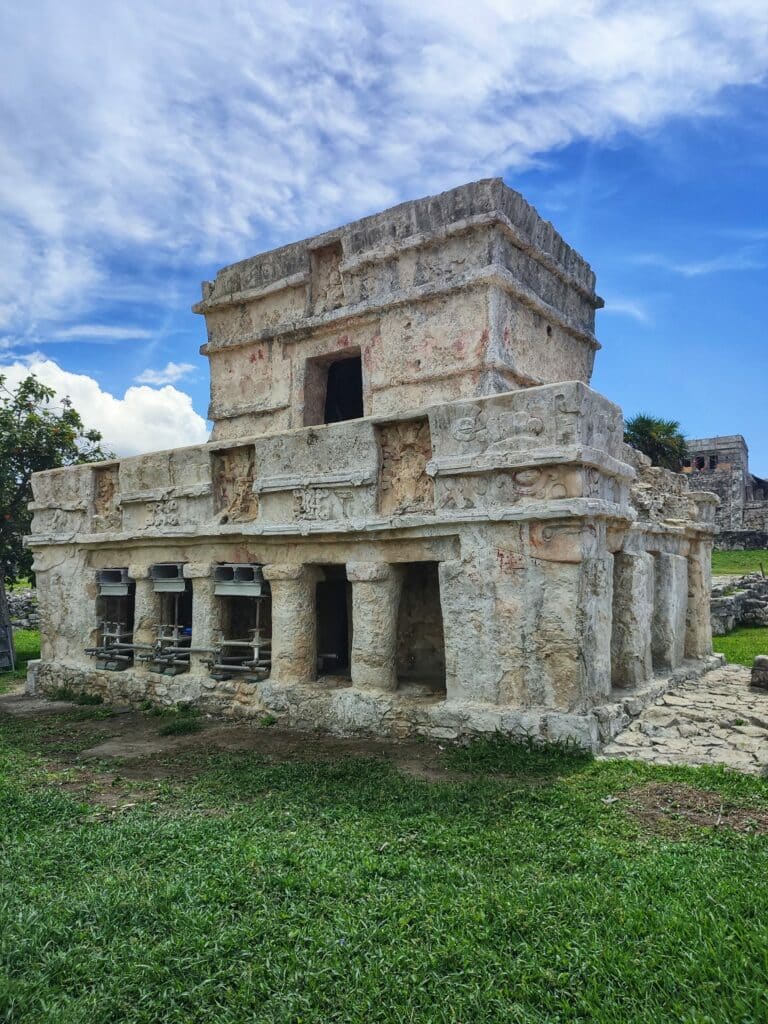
x=742, y=602
x=22, y=605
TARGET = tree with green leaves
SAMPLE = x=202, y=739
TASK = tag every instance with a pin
x=661, y=440
x=35, y=434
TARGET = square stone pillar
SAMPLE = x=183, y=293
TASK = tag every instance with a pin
x=294, y=622
x=376, y=588
x=473, y=668
x=670, y=604
x=205, y=616
x=631, y=653
x=698, y=625
x=145, y=613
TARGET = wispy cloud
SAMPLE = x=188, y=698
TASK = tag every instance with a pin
x=163, y=135
x=748, y=258
x=628, y=307
x=170, y=374
x=99, y=332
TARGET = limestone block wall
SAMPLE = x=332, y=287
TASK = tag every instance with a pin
x=460, y=295
x=558, y=571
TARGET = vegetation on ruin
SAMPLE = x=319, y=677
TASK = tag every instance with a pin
x=27, y=646
x=742, y=562
x=661, y=440
x=36, y=433
x=741, y=646
x=212, y=886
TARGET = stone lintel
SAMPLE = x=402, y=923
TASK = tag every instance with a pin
x=577, y=455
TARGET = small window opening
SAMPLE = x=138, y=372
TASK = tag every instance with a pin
x=700, y=462
x=421, y=644
x=344, y=391
x=334, y=618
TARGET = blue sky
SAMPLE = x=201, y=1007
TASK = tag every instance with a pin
x=146, y=145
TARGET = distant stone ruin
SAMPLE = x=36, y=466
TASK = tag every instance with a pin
x=413, y=516
x=721, y=465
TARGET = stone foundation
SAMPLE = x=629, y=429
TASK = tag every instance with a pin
x=340, y=709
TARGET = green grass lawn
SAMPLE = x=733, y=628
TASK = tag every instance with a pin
x=27, y=645
x=726, y=562
x=743, y=644
x=250, y=889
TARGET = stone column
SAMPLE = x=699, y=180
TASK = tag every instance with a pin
x=376, y=588
x=670, y=603
x=145, y=612
x=474, y=668
x=631, y=655
x=294, y=622
x=698, y=626
x=205, y=616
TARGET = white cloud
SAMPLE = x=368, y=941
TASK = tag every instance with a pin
x=748, y=258
x=627, y=307
x=170, y=373
x=144, y=419
x=157, y=129
x=99, y=332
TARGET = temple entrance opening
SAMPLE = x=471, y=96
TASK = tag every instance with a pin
x=421, y=645
x=334, y=621
x=173, y=629
x=245, y=622
x=115, y=615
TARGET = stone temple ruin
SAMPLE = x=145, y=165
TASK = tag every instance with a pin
x=721, y=465
x=413, y=516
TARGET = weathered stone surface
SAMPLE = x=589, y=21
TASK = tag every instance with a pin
x=633, y=584
x=478, y=550
x=715, y=719
x=670, y=609
x=759, y=676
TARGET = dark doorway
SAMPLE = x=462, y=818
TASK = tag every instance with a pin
x=420, y=641
x=334, y=635
x=344, y=390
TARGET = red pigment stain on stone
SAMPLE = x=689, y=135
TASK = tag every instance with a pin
x=508, y=560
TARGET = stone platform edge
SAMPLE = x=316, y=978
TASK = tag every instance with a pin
x=345, y=711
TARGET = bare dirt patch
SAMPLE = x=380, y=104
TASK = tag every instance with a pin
x=114, y=758
x=673, y=809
